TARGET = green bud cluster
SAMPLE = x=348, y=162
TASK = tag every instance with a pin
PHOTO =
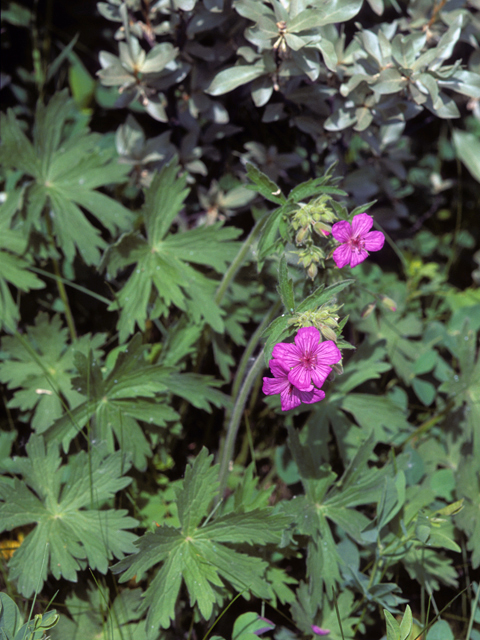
x=325, y=319
x=315, y=216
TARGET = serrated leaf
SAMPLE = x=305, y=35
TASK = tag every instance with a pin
x=115, y=400
x=39, y=366
x=66, y=168
x=66, y=532
x=162, y=273
x=196, y=554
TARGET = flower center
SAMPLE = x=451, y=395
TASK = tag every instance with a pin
x=357, y=243
x=309, y=360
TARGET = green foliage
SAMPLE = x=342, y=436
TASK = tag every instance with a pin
x=11, y=627
x=197, y=551
x=40, y=366
x=161, y=260
x=66, y=164
x=95, y=618
x=396, y=631
x=226, y=140
x=64, y=502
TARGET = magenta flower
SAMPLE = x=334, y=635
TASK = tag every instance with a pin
x=308, y=359
x=290, y=396
x=320, y=632
x=357, y=240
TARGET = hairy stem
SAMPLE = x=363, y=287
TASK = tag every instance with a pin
x=238, y=260
x=227, y=450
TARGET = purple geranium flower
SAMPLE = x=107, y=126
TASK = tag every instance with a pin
x=320, y=632
x=357, y=240
x=308, y=359
x=290, y=397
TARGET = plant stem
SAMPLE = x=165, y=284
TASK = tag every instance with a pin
x=60, y=286
x=251, y=346
x=63, y=296
x=228, y=447
x=239, y=260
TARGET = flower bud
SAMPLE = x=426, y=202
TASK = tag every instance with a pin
x=323, y=229
x=301, y=235
x=368, y=309
x=328, y=333
x=312, y=270
x=337, y=367
x=388, y=303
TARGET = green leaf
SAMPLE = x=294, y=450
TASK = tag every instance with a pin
x=234, y=77
x=66, y=167
x=440, y=631
x=70, y=527
x=468, y=520
x=162, y=275
x=314, y=187
x=91, y=619
x=389, y=81
x=39, y=366
x=424, y=390
x=467, y=146
x=115, y=401
x=248, y=625
x=322, y=295
x=379, y=413
x=326, y=12
x=10, y=617
x=264, y=185
x=196, y=553
x=276, y=331
x=393, y=628
x=285, y=286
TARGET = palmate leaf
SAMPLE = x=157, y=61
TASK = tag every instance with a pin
x=91, y=619
x=162, y=275
x=66, y=166
x=133, y=390
x=198, y=554
x=13, y=262
x=40, y=365
x=327, y=499
x=64, y=503
x=468, y=487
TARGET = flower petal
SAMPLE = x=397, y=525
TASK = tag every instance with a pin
x=272, y=386
x=374, y=241
x=309, y=397
x=320, y=374
x=279, y=368
x=289, y=399
x=307, y=339
x=342, y=231
x=342, y=255
x=288, y=353
x=301, y=378
x=328, y=353
x=361, y=224
x=358, y=257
